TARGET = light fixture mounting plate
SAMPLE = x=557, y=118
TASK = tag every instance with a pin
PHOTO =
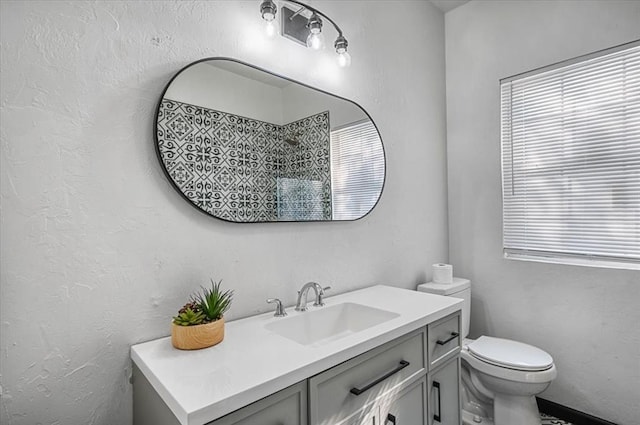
x=294, y=26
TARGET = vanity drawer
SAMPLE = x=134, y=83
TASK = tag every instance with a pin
x=335, y=394
x=444, y=339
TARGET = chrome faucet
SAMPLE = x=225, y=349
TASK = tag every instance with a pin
x=301, y=304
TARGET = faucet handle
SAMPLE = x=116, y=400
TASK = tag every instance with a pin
x=320, y=299
x=279, y=308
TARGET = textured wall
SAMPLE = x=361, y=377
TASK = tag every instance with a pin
x=98, y=250
x=586, y=318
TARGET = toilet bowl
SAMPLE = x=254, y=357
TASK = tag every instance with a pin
x=506, y=376
x=500, y=377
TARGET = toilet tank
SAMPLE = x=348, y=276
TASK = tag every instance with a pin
x=459, y=288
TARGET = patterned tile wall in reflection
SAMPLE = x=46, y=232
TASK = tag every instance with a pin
x=228, y=165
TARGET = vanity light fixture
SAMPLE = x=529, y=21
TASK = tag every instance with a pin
x=304, y=30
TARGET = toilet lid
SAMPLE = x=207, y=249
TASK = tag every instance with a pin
x=511, y=354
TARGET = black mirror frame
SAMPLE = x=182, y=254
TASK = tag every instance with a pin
x=177, y=188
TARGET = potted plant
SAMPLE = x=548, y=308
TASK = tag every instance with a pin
x=200, y=322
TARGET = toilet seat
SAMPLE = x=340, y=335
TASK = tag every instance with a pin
x=523, y=376
x=493, y=367
x=510, y=354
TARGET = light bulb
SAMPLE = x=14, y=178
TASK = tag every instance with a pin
x=344, y=59
x=270, y=28
x=315, y=41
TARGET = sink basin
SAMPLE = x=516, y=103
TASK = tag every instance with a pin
x=326, y=324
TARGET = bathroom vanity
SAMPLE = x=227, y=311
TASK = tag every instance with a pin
x=380, y=355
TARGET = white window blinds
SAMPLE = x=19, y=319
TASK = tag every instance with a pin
x=571, y=160
x=357, y=170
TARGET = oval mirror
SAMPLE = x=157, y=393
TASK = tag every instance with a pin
x=245, y=145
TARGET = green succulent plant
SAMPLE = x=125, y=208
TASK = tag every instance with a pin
x=206, y=306
x=213, y=302
x=189, y=317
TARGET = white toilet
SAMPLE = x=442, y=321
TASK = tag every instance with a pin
x=500, y=377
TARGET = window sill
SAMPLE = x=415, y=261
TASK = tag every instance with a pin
x=556, y=258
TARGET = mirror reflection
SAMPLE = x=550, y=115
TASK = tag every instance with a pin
x=244, y=145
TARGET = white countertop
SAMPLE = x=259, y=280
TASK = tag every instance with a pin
x=253, y=362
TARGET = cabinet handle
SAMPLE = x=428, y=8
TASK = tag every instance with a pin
x=358, y=391
x=437, y=417
x=391, y=418
x=451, y=338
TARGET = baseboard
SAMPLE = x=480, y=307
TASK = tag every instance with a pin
x=568, y=414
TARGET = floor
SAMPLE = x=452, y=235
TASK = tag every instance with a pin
x=550, y=420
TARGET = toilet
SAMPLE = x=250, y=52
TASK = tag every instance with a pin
x=500, y=377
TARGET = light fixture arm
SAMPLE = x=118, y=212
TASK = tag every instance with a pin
x=302, y=9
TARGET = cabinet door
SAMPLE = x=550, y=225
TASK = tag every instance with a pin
x=444, y=394
x=409, y=407
x=286, y=407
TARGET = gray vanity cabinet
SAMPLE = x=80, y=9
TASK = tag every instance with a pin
x=286, y=407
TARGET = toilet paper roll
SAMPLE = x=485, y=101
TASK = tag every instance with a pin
x=442, y=273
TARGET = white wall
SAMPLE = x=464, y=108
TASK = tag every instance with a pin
x=586, y=318
x=99, y=251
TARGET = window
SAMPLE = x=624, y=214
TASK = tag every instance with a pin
x=571, y=161
x=357, y=170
